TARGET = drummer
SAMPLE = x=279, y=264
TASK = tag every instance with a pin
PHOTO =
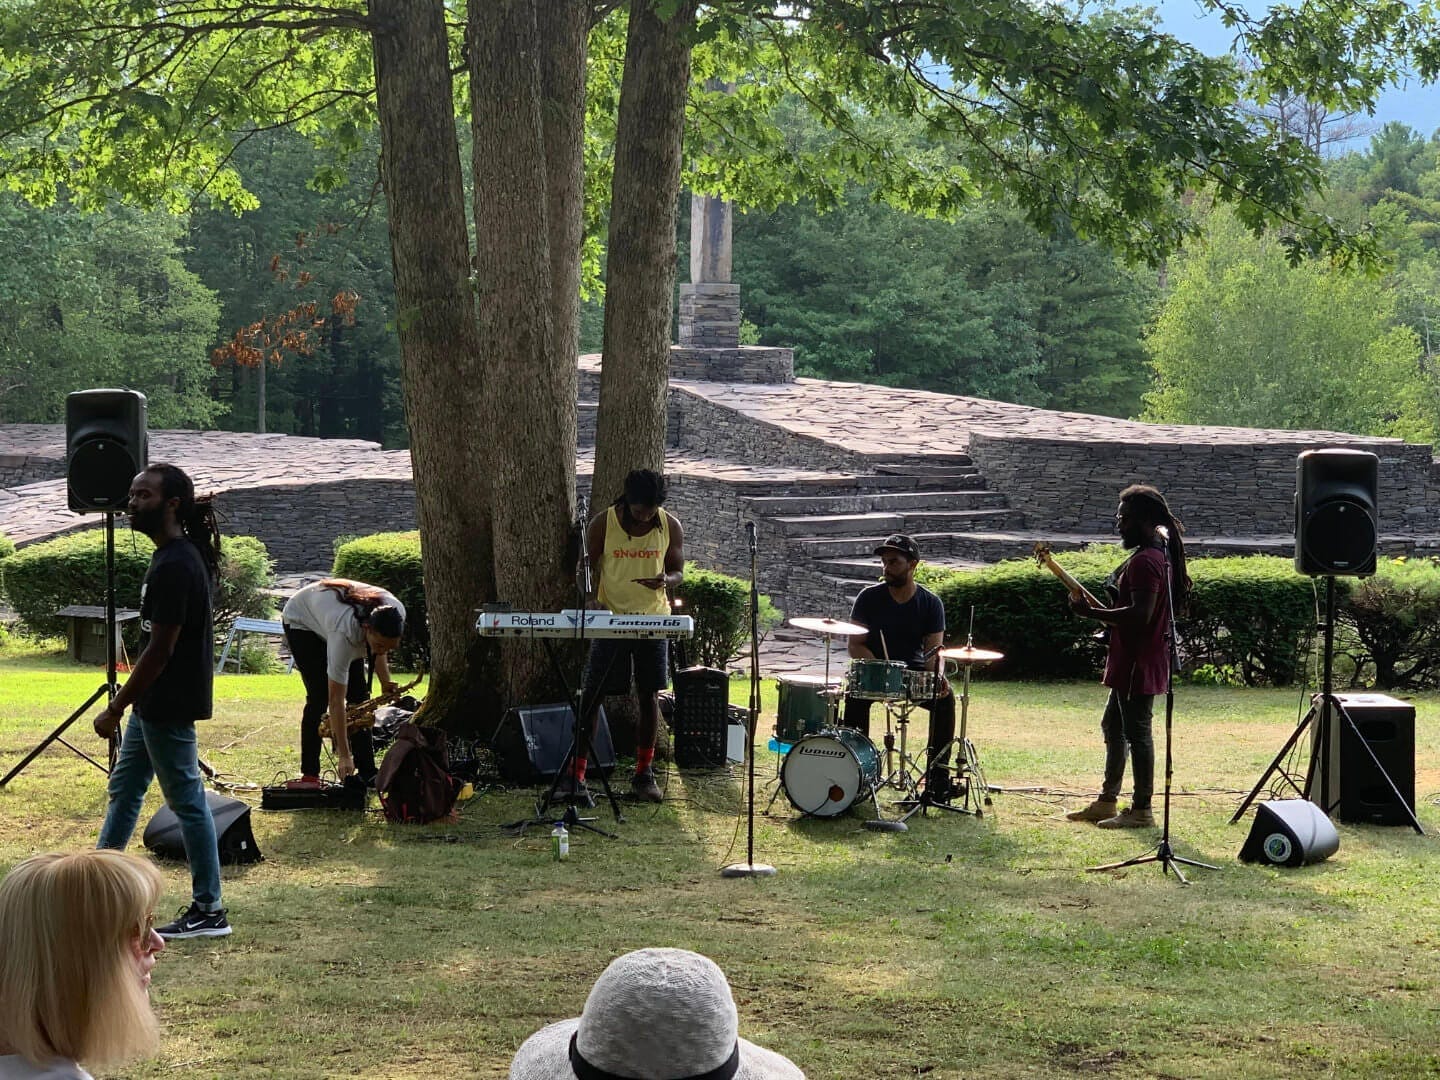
x=906, y=623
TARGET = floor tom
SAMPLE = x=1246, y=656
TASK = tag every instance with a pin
x=804, y=706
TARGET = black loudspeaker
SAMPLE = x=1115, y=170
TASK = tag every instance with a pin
x=1290, y=832
x=105, y=446
x=531, y=743
x=701, y=722
x=1355, y=791
x=232, y=831
x=1337, y=525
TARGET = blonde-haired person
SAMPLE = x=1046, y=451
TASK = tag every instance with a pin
x=77, y=945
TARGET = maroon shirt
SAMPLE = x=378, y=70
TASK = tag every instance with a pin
x=1138, y=661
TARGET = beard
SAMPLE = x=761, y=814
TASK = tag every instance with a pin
x=148, y=522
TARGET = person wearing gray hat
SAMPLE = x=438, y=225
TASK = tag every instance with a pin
x=906, y=623
x=653, y=1014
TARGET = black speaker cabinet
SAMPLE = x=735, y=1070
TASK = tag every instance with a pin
x=233, y=836
x=1336, y=519
x=1355, y=791
x=700, y=726
x=105, y=446
x=531, y=742
x=1290, y=832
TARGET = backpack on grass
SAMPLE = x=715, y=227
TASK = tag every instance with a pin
x=414, y=783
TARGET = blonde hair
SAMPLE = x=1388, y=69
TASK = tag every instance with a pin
x=69, y=986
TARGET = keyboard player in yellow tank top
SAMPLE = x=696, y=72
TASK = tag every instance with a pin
x=636, y=551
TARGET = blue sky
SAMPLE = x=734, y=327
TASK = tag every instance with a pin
x=1415, y=104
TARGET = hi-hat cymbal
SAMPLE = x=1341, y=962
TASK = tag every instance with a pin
x=828, y=626
x=968, y=654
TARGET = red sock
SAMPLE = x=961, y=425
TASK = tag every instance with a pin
x=644, y=759
x=580, y=770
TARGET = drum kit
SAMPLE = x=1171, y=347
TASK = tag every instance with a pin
x=826, y=768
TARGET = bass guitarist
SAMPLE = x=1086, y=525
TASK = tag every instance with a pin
x=1137, y=661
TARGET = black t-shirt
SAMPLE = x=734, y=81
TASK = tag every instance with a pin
x=177, y=591
x=904, y=626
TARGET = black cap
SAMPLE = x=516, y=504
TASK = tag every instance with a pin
x=901, y=543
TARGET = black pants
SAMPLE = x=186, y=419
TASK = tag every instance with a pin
x=310, y=655
x=1126, y=726
x=942, y=723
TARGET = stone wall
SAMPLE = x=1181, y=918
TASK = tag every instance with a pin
x=1229, y=486
x=742, y=363
x=18, y=469
x=713, y=431
x=299, y=523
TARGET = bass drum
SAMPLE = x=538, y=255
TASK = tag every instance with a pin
x=827, y=773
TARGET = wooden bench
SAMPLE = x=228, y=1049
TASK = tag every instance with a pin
x=241, y=626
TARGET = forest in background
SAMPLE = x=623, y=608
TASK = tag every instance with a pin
x=982, y=304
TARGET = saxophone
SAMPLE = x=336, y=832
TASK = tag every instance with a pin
x=363, y=715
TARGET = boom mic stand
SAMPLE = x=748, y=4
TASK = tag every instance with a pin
x=108, y=689
x=580, y=739
x=750, y=868
x=1323, y=712
x=1163, y=853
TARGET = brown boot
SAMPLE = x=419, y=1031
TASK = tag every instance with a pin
x=1097, y=811
x=1130, y=818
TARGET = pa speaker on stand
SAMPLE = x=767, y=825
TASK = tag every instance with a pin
x=1336, y=521
x=105, y=446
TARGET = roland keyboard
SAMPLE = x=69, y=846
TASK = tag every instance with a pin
x=588, y=624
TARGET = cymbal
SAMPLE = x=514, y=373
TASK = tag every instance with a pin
x=968, y=654
x=828, y=626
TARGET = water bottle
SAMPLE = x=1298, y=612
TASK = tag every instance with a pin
x=560, y=842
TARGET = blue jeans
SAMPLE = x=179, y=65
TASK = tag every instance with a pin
x=167, y=752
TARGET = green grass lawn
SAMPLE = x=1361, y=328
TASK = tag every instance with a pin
x=964, y=948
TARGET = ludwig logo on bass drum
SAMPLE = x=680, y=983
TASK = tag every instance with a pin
x=822, y=752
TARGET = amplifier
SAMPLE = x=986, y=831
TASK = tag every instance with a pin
x=1355, y=791
x=701, y=723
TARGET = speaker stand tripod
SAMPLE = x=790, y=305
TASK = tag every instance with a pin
x=1325, y=708
x=107, y=690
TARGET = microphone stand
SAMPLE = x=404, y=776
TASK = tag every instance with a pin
x=1163, y=853
x=750, y=868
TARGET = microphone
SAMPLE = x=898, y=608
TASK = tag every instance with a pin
x=1163, y=533
x=750, y=532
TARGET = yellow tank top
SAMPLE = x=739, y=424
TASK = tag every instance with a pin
x=628, y=557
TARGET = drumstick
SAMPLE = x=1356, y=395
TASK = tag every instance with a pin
x=883, y=651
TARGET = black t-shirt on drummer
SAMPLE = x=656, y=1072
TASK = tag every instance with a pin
x=904, y=626
x=177, y=592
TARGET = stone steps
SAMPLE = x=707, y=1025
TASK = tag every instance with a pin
x=872, y=502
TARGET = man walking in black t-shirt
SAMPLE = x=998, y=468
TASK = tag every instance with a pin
x=906, y=623
x=170, y=688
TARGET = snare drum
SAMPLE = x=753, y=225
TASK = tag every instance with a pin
x=921, y=685
x=826, y=773
x=876, y=680
x=804, y=706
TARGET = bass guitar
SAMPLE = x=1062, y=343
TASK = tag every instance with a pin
x=1044, y=557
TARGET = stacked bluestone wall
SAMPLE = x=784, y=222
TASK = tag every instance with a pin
x=1219, y=485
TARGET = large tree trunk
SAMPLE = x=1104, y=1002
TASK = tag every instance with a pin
x=439, y=347
x=528, y=417
x=640, y=267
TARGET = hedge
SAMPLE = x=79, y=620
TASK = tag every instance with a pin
x=720, y=606
x=1250, y=617
x=392, y=561
x=1388, y=626
x=41, y=579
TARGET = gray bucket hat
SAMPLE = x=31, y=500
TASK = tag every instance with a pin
x=653, y=1014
